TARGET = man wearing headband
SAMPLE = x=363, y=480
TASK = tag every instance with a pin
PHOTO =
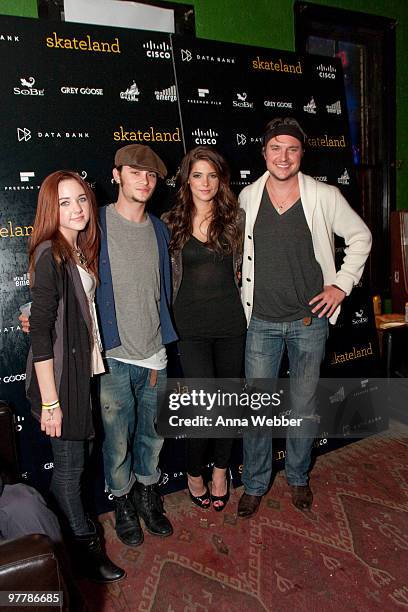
x=290, y=290
x=133, y=300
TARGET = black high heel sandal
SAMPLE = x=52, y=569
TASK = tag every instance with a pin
x=221, y=498
x=202, y=501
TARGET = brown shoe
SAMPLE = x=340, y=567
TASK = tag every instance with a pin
x=248, y=505
x=302, y=497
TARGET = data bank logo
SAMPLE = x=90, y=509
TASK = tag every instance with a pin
x=241, y=139
x=25, y=134
x=9, y=38
x=187, y=56
x=131, y=94
x=205, y=137
x=157, y=50
x=27, y=88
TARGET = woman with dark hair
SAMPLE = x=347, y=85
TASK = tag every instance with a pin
x=206, y=228
x=65, y=347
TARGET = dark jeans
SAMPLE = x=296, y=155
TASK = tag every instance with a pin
x=69, y=461
x=210, y=358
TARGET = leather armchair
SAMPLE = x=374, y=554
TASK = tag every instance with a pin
x=29, y=562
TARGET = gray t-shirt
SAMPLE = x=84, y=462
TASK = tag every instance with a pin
x=134, y=260
x=287, y=275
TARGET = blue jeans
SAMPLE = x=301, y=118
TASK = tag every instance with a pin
x=129, y=406
x=265, y=348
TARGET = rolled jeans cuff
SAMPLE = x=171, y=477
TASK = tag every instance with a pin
x=149, y=480
x=125, y=490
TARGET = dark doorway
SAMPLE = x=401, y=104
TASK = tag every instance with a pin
x=366, y=46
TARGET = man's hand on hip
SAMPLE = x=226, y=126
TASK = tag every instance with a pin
x=327, y=301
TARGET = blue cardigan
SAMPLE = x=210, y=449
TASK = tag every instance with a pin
x=105, y=298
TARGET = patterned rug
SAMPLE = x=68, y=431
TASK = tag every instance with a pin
x=349, y=553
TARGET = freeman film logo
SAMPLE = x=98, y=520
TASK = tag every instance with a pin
x=131, y=94
x=310, y=107
x=344, y=179
x=27, y=88
x=326, y=72
x=205, y=137
x=204, y=97
x=241, y=101
x=166, y=95
x=24, y=135
x=27, y=179
x=243, y=178
x=157, y=50
x=187, y=56
x=334, y=109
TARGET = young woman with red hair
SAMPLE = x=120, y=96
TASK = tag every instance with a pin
x=65, y=347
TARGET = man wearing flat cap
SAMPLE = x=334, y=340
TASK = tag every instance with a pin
x=134, y=298
x=290, y=290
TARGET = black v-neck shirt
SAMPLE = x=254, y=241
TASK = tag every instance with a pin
x=287, y=275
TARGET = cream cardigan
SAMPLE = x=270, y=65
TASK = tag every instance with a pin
x=327, y=213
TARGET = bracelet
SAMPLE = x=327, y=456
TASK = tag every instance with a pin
x=55, y=404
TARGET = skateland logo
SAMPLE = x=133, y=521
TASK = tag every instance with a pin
x=131, y=94
x=188, y=56
x=278, y=104
x=24, y=135
x=27, y=179
x=241, y=101
x=84, y=91
x=146, y=135
x=277, y=65
x=204, y=97
x=157, y=51
x=205, y=137
x=334, y=109
x=9, y=230
x=326, y=72
x=322, y=179
x=310, y=107
x=27, y=88
x=86, y=44
x=359, y=317
x=344, y=179
x=356, y=353
x=327, y=141
x=166, y=95
x=9, y=38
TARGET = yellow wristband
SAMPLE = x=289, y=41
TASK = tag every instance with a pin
x=46, y=407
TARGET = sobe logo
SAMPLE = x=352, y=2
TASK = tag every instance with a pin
x=13, y=378
x=205, y=137
x=241, y=101
x=27, y=88
x=157, y=51
x=359, y=317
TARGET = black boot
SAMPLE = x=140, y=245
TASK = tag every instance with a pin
x=149, y=505
x=94, y=562
x=127, y=522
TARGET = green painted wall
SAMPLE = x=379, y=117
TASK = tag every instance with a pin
x=270, y=23
x=21, y=8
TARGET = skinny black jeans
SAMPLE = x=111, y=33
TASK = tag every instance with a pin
x=210, y=358
x=69, y=462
